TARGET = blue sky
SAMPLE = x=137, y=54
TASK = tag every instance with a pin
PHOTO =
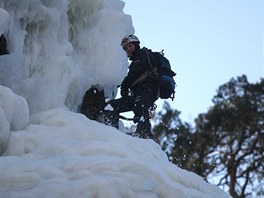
x=207, y=42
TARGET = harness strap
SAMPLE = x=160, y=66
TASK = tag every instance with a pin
x=144, y=75
x=141, y=78
x=155, y=70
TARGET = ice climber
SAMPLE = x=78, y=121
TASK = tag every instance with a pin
x=139, y=89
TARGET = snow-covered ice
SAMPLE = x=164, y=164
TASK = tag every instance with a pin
x=57, y=50
x=64, y=154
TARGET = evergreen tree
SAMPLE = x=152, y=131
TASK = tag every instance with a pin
x=227, y=142
x=235, y=133
x=174, y=136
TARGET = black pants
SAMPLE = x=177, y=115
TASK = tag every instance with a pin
x=139, y=103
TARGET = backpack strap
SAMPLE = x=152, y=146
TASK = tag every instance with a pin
x=154, y=69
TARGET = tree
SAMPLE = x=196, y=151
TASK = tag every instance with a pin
x=227, y=141
x=234, y=126
x=173, y=135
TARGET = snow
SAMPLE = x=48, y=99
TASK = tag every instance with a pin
x=3, y=20
x=63, y=153
x=57, y=50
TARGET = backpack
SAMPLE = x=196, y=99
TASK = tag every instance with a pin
x=165, y=76
x=93, y=103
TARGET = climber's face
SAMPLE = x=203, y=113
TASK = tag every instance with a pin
x=129, y=48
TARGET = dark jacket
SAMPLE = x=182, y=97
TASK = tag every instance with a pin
x=139, y=65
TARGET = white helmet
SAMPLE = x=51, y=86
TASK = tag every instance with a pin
x=129, y=39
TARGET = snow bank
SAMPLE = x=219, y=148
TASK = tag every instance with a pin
x=14, y=115
x=64, y=154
